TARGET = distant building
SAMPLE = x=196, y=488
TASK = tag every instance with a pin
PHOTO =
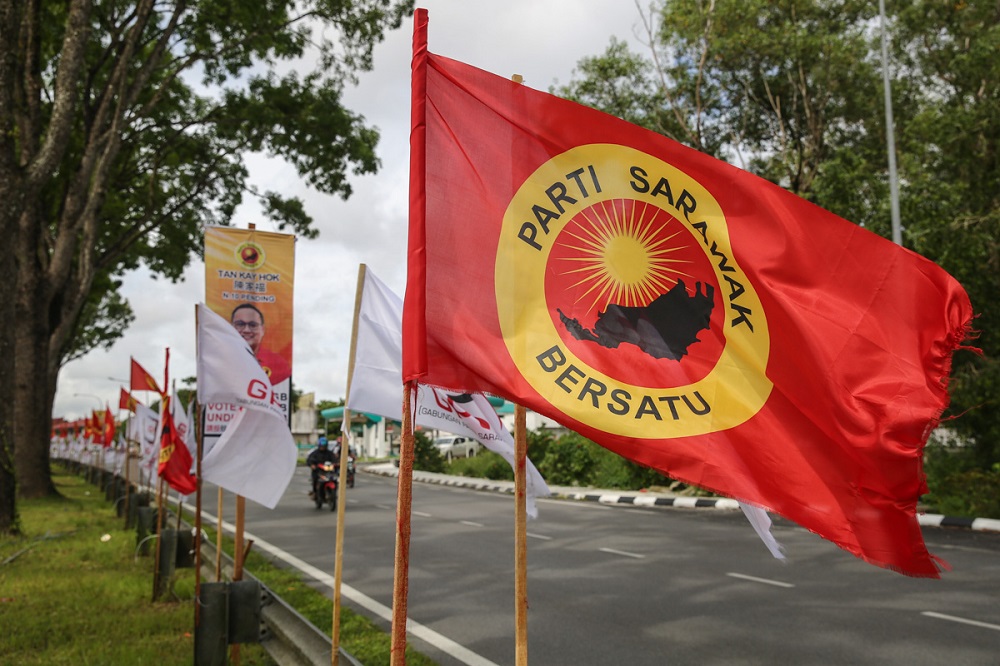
x=304, y=429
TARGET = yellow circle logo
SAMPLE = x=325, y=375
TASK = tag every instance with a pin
x=620, y=299
x=250, y=255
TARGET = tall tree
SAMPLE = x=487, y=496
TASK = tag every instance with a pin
x=950, y=189
x=792, y=90
x=125, y=125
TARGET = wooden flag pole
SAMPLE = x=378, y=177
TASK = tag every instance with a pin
x=520, y=537
x=241, y=507
x=180, y=498
x=404, y=501
x=345, y=446
x=159, y=526
x=198, y=434
x=218, y=539
x=238, y=554
x=128, y=474
x=338, y=566
x=520, y=525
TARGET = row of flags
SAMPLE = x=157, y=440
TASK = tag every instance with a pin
x=255, y=457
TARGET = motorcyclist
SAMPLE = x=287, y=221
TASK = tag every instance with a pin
x=321, y=454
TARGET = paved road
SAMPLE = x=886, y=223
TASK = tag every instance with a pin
x=637, y=586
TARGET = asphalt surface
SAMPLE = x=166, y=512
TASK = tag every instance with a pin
x=634, y=578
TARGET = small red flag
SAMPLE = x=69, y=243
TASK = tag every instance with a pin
x=141, y=380
x=679, y=311
x=175, y=459
x=127, y=401
x=108, y=435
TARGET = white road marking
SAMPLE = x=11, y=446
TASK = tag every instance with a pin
x=962, y=620
x=538, y=536
x=621, y=552
x=766, y=581
x=422, y=514
x=385, y=506
x=472, y=524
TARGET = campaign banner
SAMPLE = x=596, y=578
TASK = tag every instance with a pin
x=249, y=279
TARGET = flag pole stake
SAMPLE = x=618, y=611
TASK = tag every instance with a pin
x=198, y=433
x=238, y=555
x=218, y=539
x=520, y=524
x=404, y=501
x=338, y=567
x=345, y=446
x=520, y=537
x=159, y=527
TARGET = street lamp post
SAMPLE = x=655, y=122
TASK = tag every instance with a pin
x=89, y=395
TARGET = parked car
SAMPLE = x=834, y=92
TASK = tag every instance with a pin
x=456, y=446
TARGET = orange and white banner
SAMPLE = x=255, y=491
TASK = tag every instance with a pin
x=249, y=277
x=255, y=457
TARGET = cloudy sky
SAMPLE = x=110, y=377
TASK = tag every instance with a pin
x=542, y=40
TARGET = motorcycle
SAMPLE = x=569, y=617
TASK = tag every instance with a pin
x=350, y=468
x=326, y=486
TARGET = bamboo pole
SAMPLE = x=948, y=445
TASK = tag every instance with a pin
x=338, y=567
x=404, y=501
x=520, y=537
x=198, y=435
x=159, y=527
x=218, y=539
x=238, y=556
x=520, y=524
x=128, y=475
x=345, y=446
x=241, y=507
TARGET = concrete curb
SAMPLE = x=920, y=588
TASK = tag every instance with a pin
x=645, y=499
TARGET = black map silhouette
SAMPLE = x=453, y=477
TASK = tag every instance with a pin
x=663, y=329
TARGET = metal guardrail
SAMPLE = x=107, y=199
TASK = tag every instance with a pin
x=288, y=637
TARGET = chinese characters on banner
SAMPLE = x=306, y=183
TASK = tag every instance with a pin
x=249, y=278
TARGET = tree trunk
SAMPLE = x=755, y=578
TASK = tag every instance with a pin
x=9, y=523
x=32, y=330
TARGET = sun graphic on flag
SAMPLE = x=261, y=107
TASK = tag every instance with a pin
x=622, y=252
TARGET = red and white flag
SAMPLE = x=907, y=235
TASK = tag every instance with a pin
x=377, y=382
x=256, y=456
x=683, y=313
x=144, y=428
x=174, y=461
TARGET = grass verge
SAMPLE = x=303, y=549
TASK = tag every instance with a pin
x=73, y=591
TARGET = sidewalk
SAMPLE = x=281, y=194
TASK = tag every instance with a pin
x=642, y=497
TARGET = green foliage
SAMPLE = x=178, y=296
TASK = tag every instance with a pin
x=570, y=460
x=793, y=92
x=484, y=465
x=425, y=455
x=103, y=320
x=957, y=485
x=573, y=460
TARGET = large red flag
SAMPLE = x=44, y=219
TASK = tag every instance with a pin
x=175, y=460
x=141, y=380
x=677, y=310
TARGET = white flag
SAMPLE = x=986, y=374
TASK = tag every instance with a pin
x=256, y=456
x=377, y=382
x=143, y=428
